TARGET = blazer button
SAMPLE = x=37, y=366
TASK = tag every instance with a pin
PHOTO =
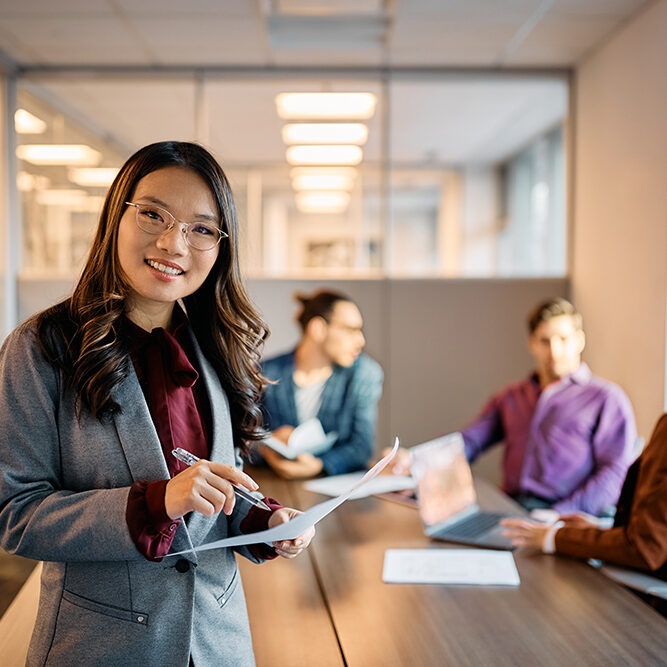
x=182, y=565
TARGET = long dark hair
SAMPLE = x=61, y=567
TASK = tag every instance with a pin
x=84, y=335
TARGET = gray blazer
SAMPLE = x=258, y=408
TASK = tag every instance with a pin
x=64, y=485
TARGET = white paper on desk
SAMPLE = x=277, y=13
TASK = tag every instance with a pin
x=335, y=485
x=301, y=523
x=450, y=566
x=308, y=437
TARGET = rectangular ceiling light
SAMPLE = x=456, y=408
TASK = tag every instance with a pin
x=92, y=177
x=59, y=154
x=326, y=7
x=27, y=123
x=350, y=172
x=26, y=182
x=323, y=182
x=311, y=106
x=322, y=202
x=60, y=197
x=343, y=154
x=325, y=133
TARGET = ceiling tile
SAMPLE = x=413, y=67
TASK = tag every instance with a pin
x=88, y=40
x=46, y=9
x=192, y=41
x=171, y=8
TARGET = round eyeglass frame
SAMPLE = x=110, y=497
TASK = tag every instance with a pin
x=185, y=226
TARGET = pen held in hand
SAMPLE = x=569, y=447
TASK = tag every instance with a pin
x=190, y=459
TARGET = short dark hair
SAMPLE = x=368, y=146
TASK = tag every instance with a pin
x=319, y=304
x=554, y=307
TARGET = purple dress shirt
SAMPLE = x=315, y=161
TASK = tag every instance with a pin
x=570, y=443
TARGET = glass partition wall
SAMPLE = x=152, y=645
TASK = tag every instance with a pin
x=433, y=175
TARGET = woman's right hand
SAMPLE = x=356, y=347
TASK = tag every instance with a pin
x=206, y=487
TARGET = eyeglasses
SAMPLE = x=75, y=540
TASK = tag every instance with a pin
x=198, y=235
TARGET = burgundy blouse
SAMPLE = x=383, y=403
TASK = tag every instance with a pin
x=181, y=413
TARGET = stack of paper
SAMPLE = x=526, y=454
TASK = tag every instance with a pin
x=335, y=485
x=450, y=566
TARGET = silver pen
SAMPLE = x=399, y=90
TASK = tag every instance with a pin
x=190, y=459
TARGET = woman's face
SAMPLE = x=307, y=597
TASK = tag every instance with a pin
x=164, y=268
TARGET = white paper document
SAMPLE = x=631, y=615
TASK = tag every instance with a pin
x=476, y=567
x=301, y=523
x=337, y=484
x=308, y=438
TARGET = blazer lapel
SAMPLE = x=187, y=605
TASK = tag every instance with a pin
x=222, y=445
x=141, y=445
x=137, y=433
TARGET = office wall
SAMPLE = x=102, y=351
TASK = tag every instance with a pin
x=619, y=276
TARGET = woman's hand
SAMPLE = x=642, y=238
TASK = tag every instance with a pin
x=290, y=548
x=525, y=533
x=205, y=487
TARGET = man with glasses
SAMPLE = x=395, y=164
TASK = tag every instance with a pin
x=326, y=377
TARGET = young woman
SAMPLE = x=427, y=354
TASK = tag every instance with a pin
x=157, y=348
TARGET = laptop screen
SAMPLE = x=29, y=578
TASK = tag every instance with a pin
x=444, y=481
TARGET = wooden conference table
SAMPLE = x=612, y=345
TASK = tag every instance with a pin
x=330, y=606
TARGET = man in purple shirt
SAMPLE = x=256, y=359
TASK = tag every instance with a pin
x=569, y=436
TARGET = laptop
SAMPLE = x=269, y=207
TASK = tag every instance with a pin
x=447, y=499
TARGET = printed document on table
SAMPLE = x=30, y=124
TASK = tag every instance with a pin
x=308, y=438
x=301, y=523
x=476, y=567
x=337, y=484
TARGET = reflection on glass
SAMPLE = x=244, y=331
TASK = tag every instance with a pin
x=458, y=176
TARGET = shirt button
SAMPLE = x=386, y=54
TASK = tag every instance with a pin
x=182, y=565
x=172, y=527
x=140, y=619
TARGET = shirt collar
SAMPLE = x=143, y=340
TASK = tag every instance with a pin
x=581, y=376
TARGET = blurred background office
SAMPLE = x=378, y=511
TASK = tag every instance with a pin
x=487, y=154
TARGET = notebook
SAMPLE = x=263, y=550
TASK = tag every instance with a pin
x=447, y=498
x=308, y=437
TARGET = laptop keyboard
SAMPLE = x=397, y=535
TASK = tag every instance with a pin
x=475, y=525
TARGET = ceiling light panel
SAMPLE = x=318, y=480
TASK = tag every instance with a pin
x=323, y=182
x=325, y=133
x=335, y=155
x=27, y=123
x=331, y=106
x=58, y=154
x=322, y=202
x=92, y=177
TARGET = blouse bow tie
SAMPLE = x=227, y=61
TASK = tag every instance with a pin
x=174, y=358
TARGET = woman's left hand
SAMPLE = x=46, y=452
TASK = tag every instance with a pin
x=524, y=533
x=290, y=548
